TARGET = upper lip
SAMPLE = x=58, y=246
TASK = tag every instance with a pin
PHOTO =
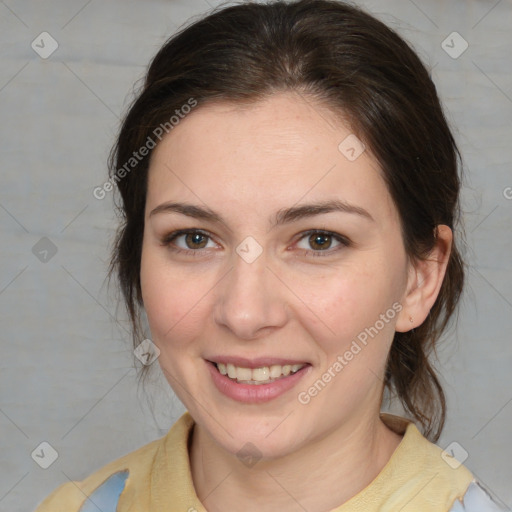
x=257, y=362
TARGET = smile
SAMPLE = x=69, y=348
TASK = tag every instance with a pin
x=258, y=376
x=256, y=381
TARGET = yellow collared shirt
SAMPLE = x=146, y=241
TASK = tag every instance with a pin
x=415, y=479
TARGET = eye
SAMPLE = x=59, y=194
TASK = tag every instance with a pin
x=322, y=242
x=314, y=242
x=188, y=240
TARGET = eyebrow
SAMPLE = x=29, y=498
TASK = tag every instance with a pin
x=283, y=216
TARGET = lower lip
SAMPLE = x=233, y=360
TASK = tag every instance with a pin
x=255, y=393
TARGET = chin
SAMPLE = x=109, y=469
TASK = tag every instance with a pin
x=255, y=435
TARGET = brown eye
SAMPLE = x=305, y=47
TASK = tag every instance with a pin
x=188, y=240
x=320, y=241
x=195, y=240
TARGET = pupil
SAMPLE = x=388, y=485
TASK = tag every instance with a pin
x=320, y=241
x=194, y=239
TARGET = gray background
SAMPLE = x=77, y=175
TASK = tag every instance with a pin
x=67, y=373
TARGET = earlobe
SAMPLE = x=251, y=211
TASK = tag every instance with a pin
x=424, y=282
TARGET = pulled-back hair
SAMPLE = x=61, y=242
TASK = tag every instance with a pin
x=359, y=68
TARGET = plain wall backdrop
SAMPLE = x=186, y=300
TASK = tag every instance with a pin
x=67, y=373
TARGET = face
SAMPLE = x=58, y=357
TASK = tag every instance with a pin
x=273, y=255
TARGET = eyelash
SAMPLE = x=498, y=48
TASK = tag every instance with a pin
x=168, y=239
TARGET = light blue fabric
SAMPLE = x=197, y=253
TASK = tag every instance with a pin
x=476, y=500
x=106, y=496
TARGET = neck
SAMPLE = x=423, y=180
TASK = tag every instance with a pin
x=318, y=477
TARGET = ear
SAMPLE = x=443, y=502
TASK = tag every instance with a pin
x=424, y=282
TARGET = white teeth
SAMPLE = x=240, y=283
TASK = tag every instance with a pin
x=262, y=375
x=231, y=371
x=243, y=373
x=275, y=371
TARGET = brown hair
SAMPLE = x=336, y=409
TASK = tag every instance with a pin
x=359, y=68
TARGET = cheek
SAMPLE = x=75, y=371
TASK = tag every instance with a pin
x=345, y=302
x=357, y=307
x=174, y=301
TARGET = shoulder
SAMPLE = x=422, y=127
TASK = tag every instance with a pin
x=70, y=496
x=430, y=478
x=133, y=475
x=476, y=499
x=419, y=475
x=422, y=459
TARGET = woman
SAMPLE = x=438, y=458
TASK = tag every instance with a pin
x=289, y=195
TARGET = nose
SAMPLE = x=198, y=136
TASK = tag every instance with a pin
x=251, y=301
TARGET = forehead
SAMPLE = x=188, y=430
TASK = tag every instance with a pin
x=268, y=154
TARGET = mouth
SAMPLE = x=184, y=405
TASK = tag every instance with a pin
x=255, y=381
x=257, y=376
